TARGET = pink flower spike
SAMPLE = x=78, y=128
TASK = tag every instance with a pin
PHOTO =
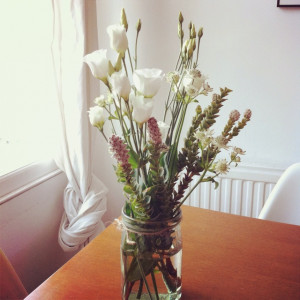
x=248, y=114
x=119, y=150
x=234, y=115
x=154, y=132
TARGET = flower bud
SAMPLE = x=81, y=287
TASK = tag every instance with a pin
x=198, y=109
x=248, y=114
x=97, y=117
x=200, y=32
x=190, y=48
x=234, y=115
x=111, y=69
x=193, y=32
x=118, y=64
x=124, y=19
x=118, y=38
x=180, y=18
x=138, y=25
x=180, y=32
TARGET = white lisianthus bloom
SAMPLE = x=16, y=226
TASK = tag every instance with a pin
x=147, y=81
x=98, y=63
x=120, y=84
x=142, y=108
x=97, y=116
x=163, y=128
x=118, y=37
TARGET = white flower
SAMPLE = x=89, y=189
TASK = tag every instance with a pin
x=118, y=37
x=239, y=151
x=100, y=101
x=220, y=142
x=142, y=108
x=109, y=99
x=222, y=166
x=98, y=63
x=206, y=89
x=173, y=77
x=193, y=81
x=147, y=81
x=97, y=116
x=163, y=128
x=120, y=84
x=204, y=137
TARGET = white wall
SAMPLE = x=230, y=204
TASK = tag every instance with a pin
x=29, y=228
x=251, y=47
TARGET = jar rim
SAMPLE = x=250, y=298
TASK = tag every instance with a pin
x=176, y=219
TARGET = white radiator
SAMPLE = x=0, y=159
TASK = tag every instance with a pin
x=243, y=191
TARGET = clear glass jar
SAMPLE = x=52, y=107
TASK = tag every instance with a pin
x=151, y=255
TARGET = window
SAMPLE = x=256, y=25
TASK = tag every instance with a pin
x=28, y=105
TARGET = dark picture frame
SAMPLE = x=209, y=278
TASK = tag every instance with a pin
x=288, y=3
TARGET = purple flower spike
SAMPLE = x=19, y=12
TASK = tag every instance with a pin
x=154, y=132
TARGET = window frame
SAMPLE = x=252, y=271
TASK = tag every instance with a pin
x=25, y=178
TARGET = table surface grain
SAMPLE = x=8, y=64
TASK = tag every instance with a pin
x=224, y=257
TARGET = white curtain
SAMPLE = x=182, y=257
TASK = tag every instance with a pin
x=85, y=194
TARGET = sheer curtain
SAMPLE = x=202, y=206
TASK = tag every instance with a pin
x=85, y=194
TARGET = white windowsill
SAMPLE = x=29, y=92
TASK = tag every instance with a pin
x=25, y=178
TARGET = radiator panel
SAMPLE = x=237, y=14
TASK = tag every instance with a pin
x=242, y=192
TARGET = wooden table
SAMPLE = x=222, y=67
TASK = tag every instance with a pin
x=224, y=257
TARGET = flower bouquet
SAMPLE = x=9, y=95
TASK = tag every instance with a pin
x=155, y=169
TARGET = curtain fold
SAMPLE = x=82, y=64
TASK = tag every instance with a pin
x=85, y=195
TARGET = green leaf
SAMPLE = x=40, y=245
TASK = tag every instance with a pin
x=133, y=159
x=128, y=189
x=134, y=272
x=173, y=161
x=163, y=163
x=216, y=184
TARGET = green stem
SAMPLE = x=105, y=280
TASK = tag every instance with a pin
x=124, y=64
x=130, y=61
x=111, y=121
x=135, y=50
x=176, y=141
x=143, y=276
x=133, y=132
x=155, y=285
x=101, y=130
x=139, y=294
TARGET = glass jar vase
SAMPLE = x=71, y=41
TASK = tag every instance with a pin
x=151, y=255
